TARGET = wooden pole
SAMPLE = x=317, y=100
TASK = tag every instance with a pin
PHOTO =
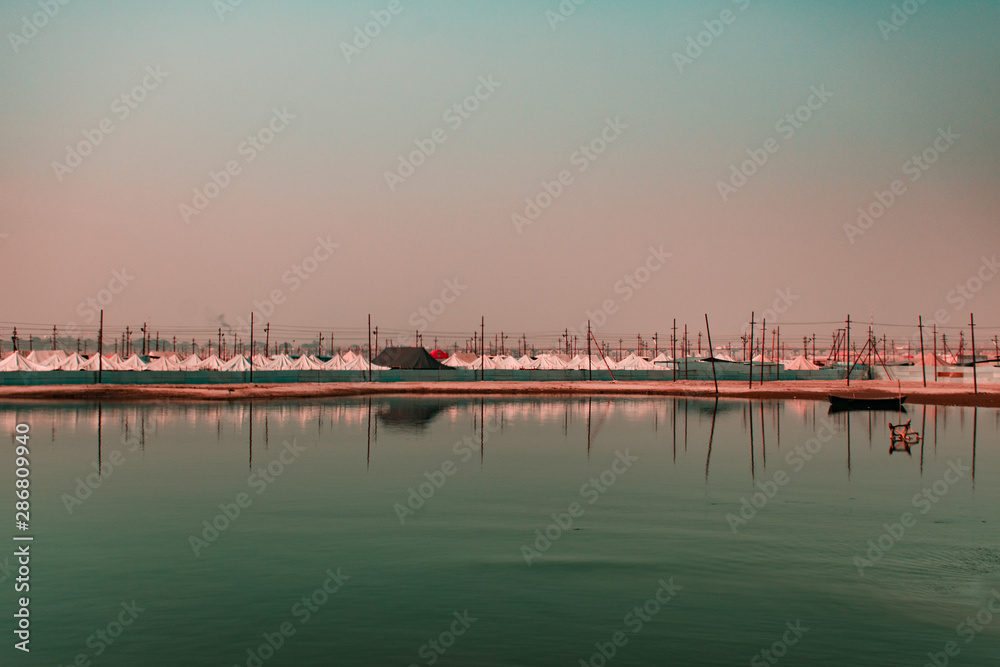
x=100, y=349
x=847, y=349
x=673, y=350
x=482, y=338
x=777, y=369
x=763, y=345
x=369, y=347
x=251, y=348
x=750, y=384
x=923, y=362
x=711, y=355
x=604, y=358
x=972, y=330
x=934, y=328
x=590, y=369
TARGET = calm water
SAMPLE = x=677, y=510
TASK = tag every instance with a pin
x=652, y=545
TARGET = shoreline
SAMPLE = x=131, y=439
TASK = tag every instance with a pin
x=958, y=395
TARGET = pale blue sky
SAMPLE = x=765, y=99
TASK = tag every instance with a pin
x=324, y=174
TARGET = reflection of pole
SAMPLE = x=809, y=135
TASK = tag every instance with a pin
x=711, y=435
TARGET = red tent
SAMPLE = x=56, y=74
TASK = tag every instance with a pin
x=439, y=355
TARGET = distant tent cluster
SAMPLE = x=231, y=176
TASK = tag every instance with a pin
x=57, y=360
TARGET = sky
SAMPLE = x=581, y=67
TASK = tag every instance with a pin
x=538, y=164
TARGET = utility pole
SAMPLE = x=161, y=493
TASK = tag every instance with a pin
x=100, y=348
x=53, y=337
x=482, y=338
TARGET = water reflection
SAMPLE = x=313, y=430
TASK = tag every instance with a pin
x=416, y=418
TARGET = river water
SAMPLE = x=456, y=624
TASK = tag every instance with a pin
x=459, y=531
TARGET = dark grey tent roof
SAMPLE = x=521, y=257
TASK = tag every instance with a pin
x=408, y=357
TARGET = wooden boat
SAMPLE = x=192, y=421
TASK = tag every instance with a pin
x=840, y=402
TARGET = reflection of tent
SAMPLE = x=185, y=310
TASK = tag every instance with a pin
x=407, y=357
x=408, y=413
x=800, y=363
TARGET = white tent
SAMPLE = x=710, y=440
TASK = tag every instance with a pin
x=335, y=363
x=165, y=363
x=549, y=362
x=306, y=362
x=507, y=362
x=800, y=363
x=133, y=363
x=279, y=362
x=481, y=362
x=72, y=362
x=238, y=363
x=635, y=363
x=15, y=362
x=210, y=363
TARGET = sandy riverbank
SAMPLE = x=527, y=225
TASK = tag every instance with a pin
x=988, y=396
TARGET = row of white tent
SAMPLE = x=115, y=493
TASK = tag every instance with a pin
x=62, y=361
x=350, y=361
